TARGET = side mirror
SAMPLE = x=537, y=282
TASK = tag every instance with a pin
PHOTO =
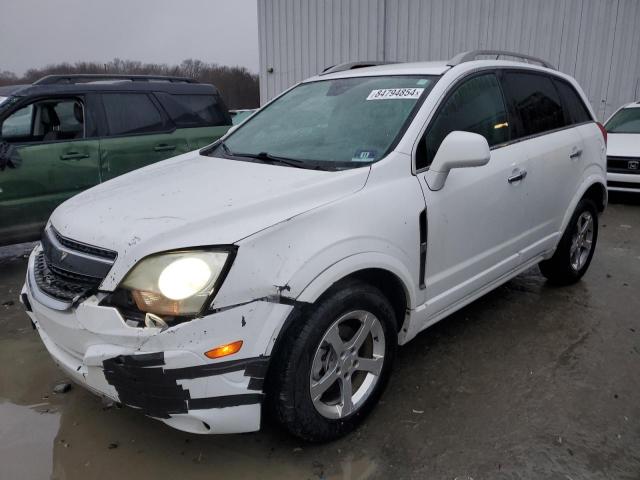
x=457, y=150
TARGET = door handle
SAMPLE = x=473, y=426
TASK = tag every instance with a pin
x=575, y=154
x=517, y=177
x=163, y=147
x=73, y=156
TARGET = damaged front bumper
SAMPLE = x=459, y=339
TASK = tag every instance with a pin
x=164, y=374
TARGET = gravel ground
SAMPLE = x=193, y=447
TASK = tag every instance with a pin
x=528, y=382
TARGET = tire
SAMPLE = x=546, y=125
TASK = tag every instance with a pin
x=308, y=356
x=575, y=250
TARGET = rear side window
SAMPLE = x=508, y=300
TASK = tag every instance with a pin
x=131, y=113
x=194, y=110
x=575, y=108
x=475, y=106
x=536, y=102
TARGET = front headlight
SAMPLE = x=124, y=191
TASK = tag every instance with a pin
x=176, y=283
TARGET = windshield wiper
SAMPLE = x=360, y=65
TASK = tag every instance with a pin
x=267, y=158
x=272, y=159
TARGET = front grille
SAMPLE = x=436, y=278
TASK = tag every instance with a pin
x=628, y=165
x=60, y=284
x=84, y=248
x=68, y=270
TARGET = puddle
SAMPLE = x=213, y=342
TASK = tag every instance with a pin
x=28, y=435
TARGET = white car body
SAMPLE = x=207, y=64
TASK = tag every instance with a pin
x=297, y=232
x=623, y=154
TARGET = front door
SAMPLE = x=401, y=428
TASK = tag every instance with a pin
x=475, y=222
x=53, y=161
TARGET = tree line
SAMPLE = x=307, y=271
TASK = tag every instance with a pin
x=238, y=86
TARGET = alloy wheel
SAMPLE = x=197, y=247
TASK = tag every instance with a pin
x=347, y=364
x=582, y=241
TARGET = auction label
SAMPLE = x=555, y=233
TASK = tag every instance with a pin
x=395, y=93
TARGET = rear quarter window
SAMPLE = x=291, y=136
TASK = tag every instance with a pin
x=194, y=110
x=576, y=110
x=536, y=102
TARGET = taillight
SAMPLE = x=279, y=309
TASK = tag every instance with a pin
x=604, y=132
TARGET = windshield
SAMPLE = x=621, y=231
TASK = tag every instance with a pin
x=626, y=120
x=344, y=123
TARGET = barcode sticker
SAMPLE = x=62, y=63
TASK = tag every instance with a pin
x=395, y=94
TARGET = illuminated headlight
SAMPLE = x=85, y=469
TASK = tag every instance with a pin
x=175, y=283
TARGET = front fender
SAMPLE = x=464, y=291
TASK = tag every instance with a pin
x=349, y=265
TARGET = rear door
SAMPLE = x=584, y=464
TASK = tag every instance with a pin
x=200, y=119
x=135, y=132
x=475, y=222
x=57, y=157
x=554, y=149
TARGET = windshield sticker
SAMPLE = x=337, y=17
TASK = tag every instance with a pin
x=422, y=81
x=364, y=156
x=395, y=94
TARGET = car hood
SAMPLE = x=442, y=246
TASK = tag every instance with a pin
x=195, y=200
x=623, y=145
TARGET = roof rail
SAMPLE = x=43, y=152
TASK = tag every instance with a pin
x=92, y=77
x=341, y=67
x=474, y=54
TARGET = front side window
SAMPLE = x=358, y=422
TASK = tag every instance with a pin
x=536, y=102
x=131, y=113
x=339, y=123
x=626, y=120
x=475, y=106
x=47, y=120
x=18, y=124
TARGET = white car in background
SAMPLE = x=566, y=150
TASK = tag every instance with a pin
x=623, y=149
x=283, y=265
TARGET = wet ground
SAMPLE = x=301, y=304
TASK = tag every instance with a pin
x=529, y=382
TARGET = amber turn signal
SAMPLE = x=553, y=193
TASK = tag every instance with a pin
x=224, y=350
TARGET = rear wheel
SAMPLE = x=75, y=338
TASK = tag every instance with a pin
x=334, y=363
x=575, y=250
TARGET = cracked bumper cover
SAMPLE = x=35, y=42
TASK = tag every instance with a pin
x=165, y=374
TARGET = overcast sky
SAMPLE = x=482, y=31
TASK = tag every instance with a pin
x=34, y=33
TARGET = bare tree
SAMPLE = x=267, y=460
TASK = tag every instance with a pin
x=239, y=87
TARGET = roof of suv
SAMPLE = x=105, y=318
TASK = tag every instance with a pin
x=76, y=84
x=423, y=68
x=465, y=60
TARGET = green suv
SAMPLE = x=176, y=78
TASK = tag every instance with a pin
x=66, y=133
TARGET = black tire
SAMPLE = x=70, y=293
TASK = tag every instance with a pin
x=288, y=392
x=558, y=269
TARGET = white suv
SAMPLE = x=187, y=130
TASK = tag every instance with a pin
x=282, y=266
x=623, y=149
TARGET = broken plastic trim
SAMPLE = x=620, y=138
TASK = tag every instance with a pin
x=143, y=383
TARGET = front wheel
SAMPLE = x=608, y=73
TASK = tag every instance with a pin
x=575, y=250
x=334, y=363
